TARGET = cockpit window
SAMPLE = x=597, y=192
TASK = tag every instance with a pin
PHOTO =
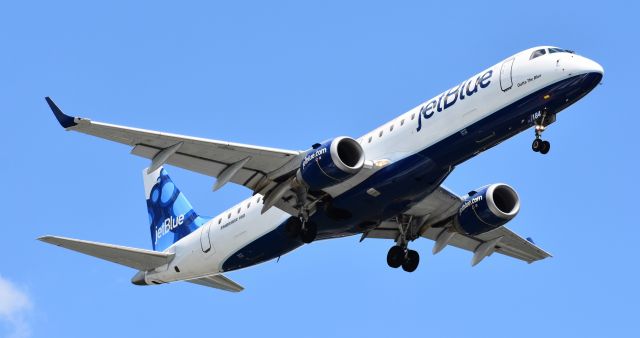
x=537, y=53
x=559, y=50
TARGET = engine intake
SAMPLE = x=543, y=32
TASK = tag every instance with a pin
x=488, y=208
x=331, y=162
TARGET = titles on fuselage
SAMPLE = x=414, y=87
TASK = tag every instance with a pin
x=449, y=98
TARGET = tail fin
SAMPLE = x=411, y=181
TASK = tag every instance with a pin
x=171, y=215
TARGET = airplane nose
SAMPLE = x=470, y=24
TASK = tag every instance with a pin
x=590, y=66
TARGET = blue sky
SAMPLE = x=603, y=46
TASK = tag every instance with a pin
x=288, y=74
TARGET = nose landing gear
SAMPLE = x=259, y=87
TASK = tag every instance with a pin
x=540, y=145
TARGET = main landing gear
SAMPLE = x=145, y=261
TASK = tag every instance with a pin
x=539, y=145
x=300, y=227
x=402, y=256
x=399, y=254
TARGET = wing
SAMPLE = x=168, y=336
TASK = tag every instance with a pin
x=434, y=215
x=219, y=282
x=139, y=259
x=257, y=168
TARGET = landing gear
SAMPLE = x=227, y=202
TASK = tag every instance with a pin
x=309, y=232
x=297, y=227
x=411, y=262
x=293, y=227
x=539, y=145
x=399, y=256
x=396, y=256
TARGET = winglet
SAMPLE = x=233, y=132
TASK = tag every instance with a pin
x=66, y=121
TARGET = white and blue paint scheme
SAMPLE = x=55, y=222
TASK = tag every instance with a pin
x=385, y=184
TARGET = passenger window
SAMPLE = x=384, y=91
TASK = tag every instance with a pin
x=380, y=134
x=391, y=128
x=219, y=220
x=248, y=205
x=537, y=53
x=229, y=215
x=413, y=116
x=402, y=122
x=370, y=138
x=239, y=210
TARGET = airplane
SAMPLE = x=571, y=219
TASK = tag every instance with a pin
x=386, y=184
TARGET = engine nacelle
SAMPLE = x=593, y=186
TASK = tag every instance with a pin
x=488, y=208
x=331, y=162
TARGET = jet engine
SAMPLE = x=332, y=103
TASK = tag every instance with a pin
x=331, y=162
x=487, y=208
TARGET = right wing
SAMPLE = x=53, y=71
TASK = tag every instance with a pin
x=438, y=210
x=218, y=282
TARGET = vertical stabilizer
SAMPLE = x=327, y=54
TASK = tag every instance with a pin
x=171, y=215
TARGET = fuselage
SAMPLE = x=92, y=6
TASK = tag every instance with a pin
x=412, y=155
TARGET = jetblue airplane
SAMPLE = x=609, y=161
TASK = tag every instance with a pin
x=386, y=184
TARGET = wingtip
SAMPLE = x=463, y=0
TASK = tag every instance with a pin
x=65, y=121
x=45, y=238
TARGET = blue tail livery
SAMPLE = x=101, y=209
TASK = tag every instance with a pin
x=171, y=215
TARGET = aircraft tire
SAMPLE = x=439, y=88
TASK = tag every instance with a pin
x=411, y=262
x=395, y=256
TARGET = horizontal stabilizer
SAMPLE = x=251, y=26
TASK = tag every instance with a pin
x=139, y=259
x=219, y=282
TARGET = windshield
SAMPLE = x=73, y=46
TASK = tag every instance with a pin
x=559, y=50
x=537, y=53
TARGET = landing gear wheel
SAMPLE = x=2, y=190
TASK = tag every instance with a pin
x=411, y=262
x=309, y=232
x=293, y=227
x=545, y=147
x=395, y=257
x=536, y=145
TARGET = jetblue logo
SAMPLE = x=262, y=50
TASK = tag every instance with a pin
x=449, y=98
x=168, y=225
x=312, y=156
x=469, y=203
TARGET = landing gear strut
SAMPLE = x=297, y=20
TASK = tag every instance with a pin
x=300, y=227
x=399, y=254
x=538, y=144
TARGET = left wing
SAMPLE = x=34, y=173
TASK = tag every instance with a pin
x=139, y=259
x=434, y=215
x=260, y=169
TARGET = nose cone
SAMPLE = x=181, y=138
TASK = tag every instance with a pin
x=588, y=66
